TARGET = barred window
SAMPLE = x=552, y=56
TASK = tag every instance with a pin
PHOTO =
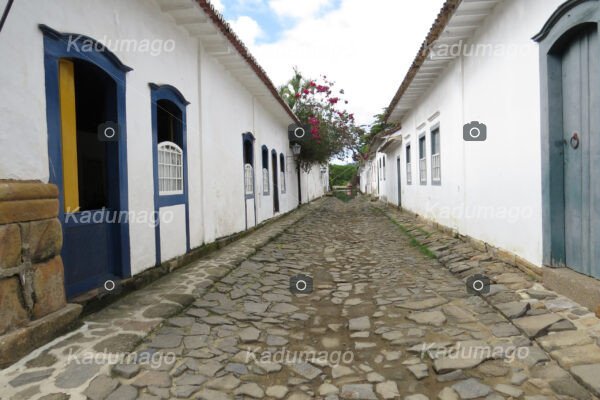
x=248, y=179
x=282, y=172
x=436, y=167
x=170, y=168
x=422, y=161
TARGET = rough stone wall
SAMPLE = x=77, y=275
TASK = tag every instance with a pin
x=31, y=270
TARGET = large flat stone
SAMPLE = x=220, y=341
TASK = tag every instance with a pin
x=464, y=355
x=358, y=392
x=306, y=370
x=570, y=356
x=359, y=324
x=435, y=318
x=513, y=309
x=536, y=325
x=589, y=376
x=471, y=389
x=564, y=339
x=76, y=374
x=425, y=304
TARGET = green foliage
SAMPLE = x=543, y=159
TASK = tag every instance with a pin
x=377, y=127
x=344, y=196
x=342, y=175
x=334, y=133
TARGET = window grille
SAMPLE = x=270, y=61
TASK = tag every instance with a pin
x=436, y=167
x=170, y=168
x=436, y=170
x=265, y=178
x=248, y=179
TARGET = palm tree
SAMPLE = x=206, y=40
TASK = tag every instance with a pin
x=294, y=86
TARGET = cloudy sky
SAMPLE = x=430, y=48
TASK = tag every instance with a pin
x=365, y=46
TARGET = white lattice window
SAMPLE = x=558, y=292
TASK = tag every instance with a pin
x=265, y=179
x=422, y=161
x=170, y=168
x=249, y=179
x=282, y=179
x=436, y=166
x=436, y=170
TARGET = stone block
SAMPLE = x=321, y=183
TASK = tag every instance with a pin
x=12, y=311
x=20, y=190
x=27, y=210
x=48, y=287
x=10, y=246
x=45, y=239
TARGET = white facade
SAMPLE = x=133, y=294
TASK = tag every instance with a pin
x=226, y=99
x=489, y=190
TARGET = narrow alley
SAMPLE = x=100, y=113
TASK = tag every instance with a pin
x=385, y=320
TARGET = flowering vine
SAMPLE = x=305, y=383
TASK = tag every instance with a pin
x=317, y=103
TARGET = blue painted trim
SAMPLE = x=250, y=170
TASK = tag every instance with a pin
x=170, y=90
x=248, y=137
x=56, y=47
x=170, y=93
x=81, y=46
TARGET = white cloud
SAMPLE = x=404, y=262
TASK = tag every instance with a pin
x=218, y=5
x=365, y=46
x=297, y=9
x=247, y=29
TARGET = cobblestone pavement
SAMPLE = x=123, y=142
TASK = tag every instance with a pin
x=386, y=320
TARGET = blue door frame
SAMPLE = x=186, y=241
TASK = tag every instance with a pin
x=59, y=46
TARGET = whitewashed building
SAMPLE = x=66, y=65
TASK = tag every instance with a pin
x=528, y=70
x=201, y=149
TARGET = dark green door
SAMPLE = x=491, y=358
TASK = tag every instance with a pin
x=581, y=105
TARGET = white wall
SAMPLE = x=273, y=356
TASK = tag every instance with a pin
x=490, y=190
x=220, y=110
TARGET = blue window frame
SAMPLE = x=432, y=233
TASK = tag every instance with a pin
x=248, y=154
x=265, y=170
x=169, y=139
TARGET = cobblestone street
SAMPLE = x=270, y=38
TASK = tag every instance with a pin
x=388, y=319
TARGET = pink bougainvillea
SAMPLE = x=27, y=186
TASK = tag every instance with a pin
x=332, y=128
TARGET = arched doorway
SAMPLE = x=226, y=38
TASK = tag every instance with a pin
x=570, y=70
